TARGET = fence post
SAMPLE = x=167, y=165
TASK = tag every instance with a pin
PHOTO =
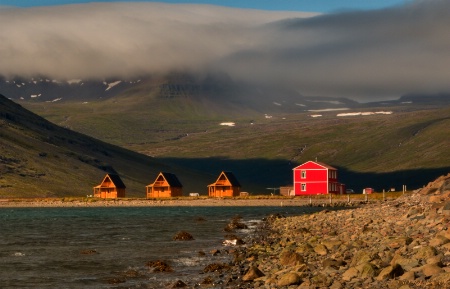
x=384, y=199
x=330, y=198
x=366, y=197
x=348, y=198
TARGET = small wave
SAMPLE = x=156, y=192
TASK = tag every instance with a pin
x=18, y=254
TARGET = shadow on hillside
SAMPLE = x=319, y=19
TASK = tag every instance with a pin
x=258, y=175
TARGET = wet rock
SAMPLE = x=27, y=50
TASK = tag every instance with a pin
x=252, y=274
x=332, y=245
x=233, y=240
x=442, y=278
x=408, y=276
x=361, y=257
x=290, y=258
x=207, y=281
x=88, y=252
x=446, y=209
x=289, y=279
x=273, y=217
x=333, y=263
x=183, y=236
x=439, y=241
x=215, y=252
x=336, y=285
x=159, y=266
x=235, y=224
x=391, y=272
x=116, y=280
x=179, y=284
x=321, y=250
x=367, y=270
x=398, y=242
x=215, y=267
x=431, y=269
x=321, y=280
x=425, y=252
x=406, y=263
x=304, y=248
x=350, y=274
x=436, y=260
x=132, y=274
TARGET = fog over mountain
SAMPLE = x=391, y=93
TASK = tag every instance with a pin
x=365, y=55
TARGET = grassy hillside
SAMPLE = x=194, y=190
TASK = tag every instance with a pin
x=381, y=151
x=40, y=159
x=408, y=147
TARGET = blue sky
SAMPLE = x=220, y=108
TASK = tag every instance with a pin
x=323, y=6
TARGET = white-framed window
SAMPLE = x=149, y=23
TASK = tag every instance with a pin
x=303, y=174
x=303, y=187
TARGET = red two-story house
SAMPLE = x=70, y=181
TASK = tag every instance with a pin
x=315, y=178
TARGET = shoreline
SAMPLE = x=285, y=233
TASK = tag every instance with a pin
x=274, y=201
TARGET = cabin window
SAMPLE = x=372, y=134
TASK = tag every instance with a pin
x=303, y=174
x=303, y=187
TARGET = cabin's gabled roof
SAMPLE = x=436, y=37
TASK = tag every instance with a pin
x=116, y=180
x=172, y=179
x=230, y=177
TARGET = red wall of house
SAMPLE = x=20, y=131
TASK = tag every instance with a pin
x=317, y=179
x=312, y=188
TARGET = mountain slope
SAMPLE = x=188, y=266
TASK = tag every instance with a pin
x=177, y=118
x=38, y=158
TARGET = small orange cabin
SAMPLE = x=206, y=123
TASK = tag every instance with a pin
x=166, y=185
x=111, y=187
x=226, y=185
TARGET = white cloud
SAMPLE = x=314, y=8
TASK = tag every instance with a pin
x=372, y=54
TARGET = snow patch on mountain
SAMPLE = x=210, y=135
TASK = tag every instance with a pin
x=74, y=81
x=363, y=113
x=55, y=100
x=111, y=84
x=328, y=109
x=228, y=123
x=337, y=102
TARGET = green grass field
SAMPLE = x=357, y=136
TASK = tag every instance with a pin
x=409, y=147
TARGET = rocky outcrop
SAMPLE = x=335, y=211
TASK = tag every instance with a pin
x=183, y=236
x=159, y=266
x=402, y=243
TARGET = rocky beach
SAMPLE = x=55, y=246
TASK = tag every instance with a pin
x=402, y=243
x=274, y=201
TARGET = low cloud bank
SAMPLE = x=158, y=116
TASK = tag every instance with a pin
x=359, y=54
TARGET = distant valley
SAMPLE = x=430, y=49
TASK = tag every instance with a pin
x=202, y=125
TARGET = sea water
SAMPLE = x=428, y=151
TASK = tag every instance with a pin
x=110, y=247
